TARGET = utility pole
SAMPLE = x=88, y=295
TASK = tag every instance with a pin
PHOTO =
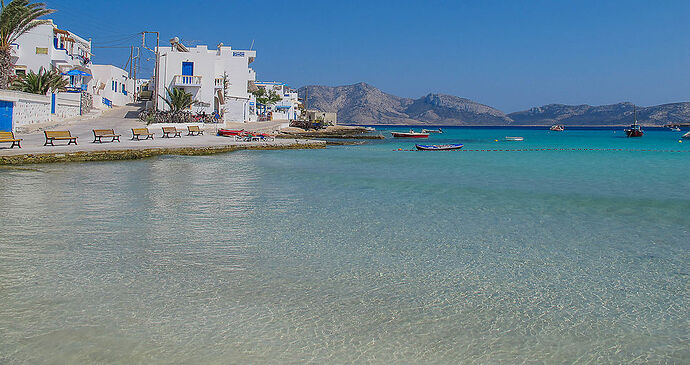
x=131, y=60
x=155, y=72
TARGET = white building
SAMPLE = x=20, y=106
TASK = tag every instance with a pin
x=217, y=79
x=111, y=86
x=285, y=109
x=48, y=46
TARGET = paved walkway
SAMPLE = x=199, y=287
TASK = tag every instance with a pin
x=122, y=120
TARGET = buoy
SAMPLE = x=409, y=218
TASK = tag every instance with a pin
x=495, y=140
x=680, y=141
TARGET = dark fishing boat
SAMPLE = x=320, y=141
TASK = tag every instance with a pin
x=439, y=147
x=635, y=129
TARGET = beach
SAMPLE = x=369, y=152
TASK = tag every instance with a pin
x=122, y=120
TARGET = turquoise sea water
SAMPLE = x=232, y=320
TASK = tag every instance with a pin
x=355, y=254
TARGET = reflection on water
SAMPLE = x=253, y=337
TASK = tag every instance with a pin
x=347, y=255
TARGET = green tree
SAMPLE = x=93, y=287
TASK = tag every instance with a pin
x=269, y=98
x=41, y=82
x=178, y=99
x=16, y=18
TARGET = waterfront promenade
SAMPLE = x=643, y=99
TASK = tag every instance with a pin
x=122, y=120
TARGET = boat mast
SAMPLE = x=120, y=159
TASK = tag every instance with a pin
x=635, y=114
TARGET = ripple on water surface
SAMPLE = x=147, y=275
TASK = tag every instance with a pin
x=346, y=255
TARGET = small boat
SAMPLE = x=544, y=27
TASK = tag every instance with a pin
x=439, y=147
x=686, y=135
x=635, y=129
x=229, y=132
x=675, y=129
x=557, y=128
x=515, y=138
x=410, y=134
x=432, y=130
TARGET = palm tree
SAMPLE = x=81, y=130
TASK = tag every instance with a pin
x=41, y=82
x=16, y=18
x=178, y=99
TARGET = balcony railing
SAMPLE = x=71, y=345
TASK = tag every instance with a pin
x=184, y=80
x=219, y=82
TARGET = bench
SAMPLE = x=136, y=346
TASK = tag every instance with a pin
x=52, y=136
x=194, y=130
x=173, y=130
x=138, y=132
x=9, y=137
x=107, y=133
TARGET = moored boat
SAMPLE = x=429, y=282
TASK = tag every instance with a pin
x=410, y=134
x=557, y=128
x=514, y=138
x=635, y=129
x=432, y=130
x=686, y=135
x=439, y=147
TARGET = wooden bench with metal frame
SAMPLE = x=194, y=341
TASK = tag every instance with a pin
x=194, y=130
x=9, y=137
x=52, y=136
x=138, y=132
x=107, y=133
x=168, y=130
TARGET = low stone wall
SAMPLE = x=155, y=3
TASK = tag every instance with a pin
x=31, y=109
x=28, y=108
x=67, y=105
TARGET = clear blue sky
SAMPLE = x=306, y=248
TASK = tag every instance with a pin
x=508, y=54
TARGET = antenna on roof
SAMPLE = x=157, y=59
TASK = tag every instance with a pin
x=252, y=46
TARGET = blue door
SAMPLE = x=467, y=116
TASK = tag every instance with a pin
x=187, y=68
x=6, y=116
x=52, y=104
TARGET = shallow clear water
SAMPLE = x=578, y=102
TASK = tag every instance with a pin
x=354, y=254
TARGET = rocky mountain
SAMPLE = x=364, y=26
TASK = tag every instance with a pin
x=621, y=113
x=365, y=104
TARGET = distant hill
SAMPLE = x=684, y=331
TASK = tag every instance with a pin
x=621, y=113
x=365, y=104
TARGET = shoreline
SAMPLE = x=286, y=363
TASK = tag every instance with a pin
x=142, y=153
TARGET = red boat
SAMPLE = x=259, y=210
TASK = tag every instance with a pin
x=229, y=132
x=410, y=134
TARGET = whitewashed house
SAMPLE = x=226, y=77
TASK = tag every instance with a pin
x=285, y=109
x=50, y=47
x=217, y=79
x=111, y=86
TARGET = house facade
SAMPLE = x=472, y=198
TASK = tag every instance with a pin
x=50, y=47
x=285, y=109
x=111, y=86
x=219, y=80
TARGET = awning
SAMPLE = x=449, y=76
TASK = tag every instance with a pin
x=77, y=73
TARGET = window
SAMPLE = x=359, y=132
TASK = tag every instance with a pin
x=187, y=68
x=20, y=72
x=41, y=50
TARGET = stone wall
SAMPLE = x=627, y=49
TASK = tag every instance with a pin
x=68, y=105
x=28, y=108
x=31, y=109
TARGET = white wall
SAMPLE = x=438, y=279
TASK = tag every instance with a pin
x=30, y=109
x=211, y=65
x=25, y=54
x=107, y=82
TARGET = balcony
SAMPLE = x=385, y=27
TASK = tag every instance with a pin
x=219, y=83
x=184, y=80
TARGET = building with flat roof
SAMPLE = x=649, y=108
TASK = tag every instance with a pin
x=219, y=80
x=50, y=47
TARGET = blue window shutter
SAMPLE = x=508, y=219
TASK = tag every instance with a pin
x=187, y=68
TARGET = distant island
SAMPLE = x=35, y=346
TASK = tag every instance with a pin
x=362, y=103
